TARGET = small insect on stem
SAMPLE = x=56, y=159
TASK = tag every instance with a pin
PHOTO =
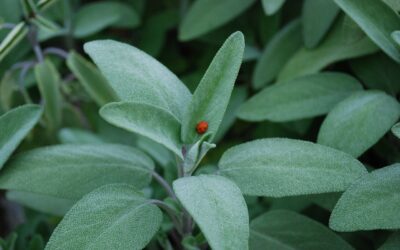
x=202, y=127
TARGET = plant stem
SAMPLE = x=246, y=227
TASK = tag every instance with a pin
x=164, y=184
x=32, y=36
x=56, y=51
x=171, y=213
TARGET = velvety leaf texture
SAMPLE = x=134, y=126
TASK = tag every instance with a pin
x=206, y=15
x=71, y=171
x=370, y=203
x=111, y=217
x=212, y=95
x=149, y=121
x=286, y=230
x=14, y=126
x=279, y=167
x=352, y=125
x=299, y=98
x=218, y=207
x=137, y=77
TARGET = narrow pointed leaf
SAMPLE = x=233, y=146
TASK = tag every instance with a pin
x=212, y=95
x=137, y=77
x=396, y=36
x=206, y=15
x=272, y=6
x=111, y=217
x=281, y=229
x=285, y=167
x=377, y=27
x=303, y=97
x=276, y=54
x=352, y=125
x=14, y=126
x=149, y=121
x=12, y=39
x=91, y=79
x=71, y=171
x=219, y=209
x=370, y=203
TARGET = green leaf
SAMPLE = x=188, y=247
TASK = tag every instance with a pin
x=78, y=136
x=70, y=171
x=94, y=17
x=284, y=167
x=276, y=54
x=370, y=203
x=111, y=217
x=212, y=95
x=137, y=77
x=344, y=41
x=48, y=80
x=286, y=230
x=43, y=203
x=392, y=243
x=396, y=36
x=218, y=207
x=377, y=26
x=12, y=39
x=91, y=79
x=272, y=6
x=28, y=8
x=317, y=17
x=299, y=98
x=206, y=15
x=147, y=120
x=352, y=125
x=14, y=126
x=396, y=130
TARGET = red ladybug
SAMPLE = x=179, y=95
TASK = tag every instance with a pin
x=202, y=127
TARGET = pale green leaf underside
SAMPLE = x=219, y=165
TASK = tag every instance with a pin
x=212, y=95
x=370, y=203
x=303, y=97
x=71, y=171
x=219, y=209
x=111, y=217
x=286, y=230
x=149, y=121
x=279, y=167
x=137, y=77
x=14, y=126
x=206, y=15
x=352, y=126
x=272, y=6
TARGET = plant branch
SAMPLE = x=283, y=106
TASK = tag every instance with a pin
x=164, y=184
x=171, y=213
x=56, y=51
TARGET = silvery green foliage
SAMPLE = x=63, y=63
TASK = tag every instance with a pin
x=272, y=6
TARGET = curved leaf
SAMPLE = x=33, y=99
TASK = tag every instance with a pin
x=283, y=167
x=370, y=203
x=396, y=36
x=149, y=121
x=111, y=217
x=206, y=15
x=272, y=6
x=377, y=27
x=396, y=130
x=219, y=209
x=14, y=126
x=212, y=95
x=352, y=125
x=137, y=77
x=300, y=98
x=286, y=230
x=70, y=171
x=78, y=136
x=12, y=39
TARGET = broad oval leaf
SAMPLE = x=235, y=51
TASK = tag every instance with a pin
x=206, y=15
x=14, y=126
x=377, y=27
x=276, y=54
x=218, y=207
x=286, y=230
x=299, y=98
x=78, y=136
x=71, y=171
x=115, y=216
x=212, y=95
x=272, y=6
x=344, y=41
x=91, y=79
x=370, y=203
x=284, y=167
x=352, y=125
x=317, y=17
x=149, y=121
x=48, y=80
x=137, y=77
